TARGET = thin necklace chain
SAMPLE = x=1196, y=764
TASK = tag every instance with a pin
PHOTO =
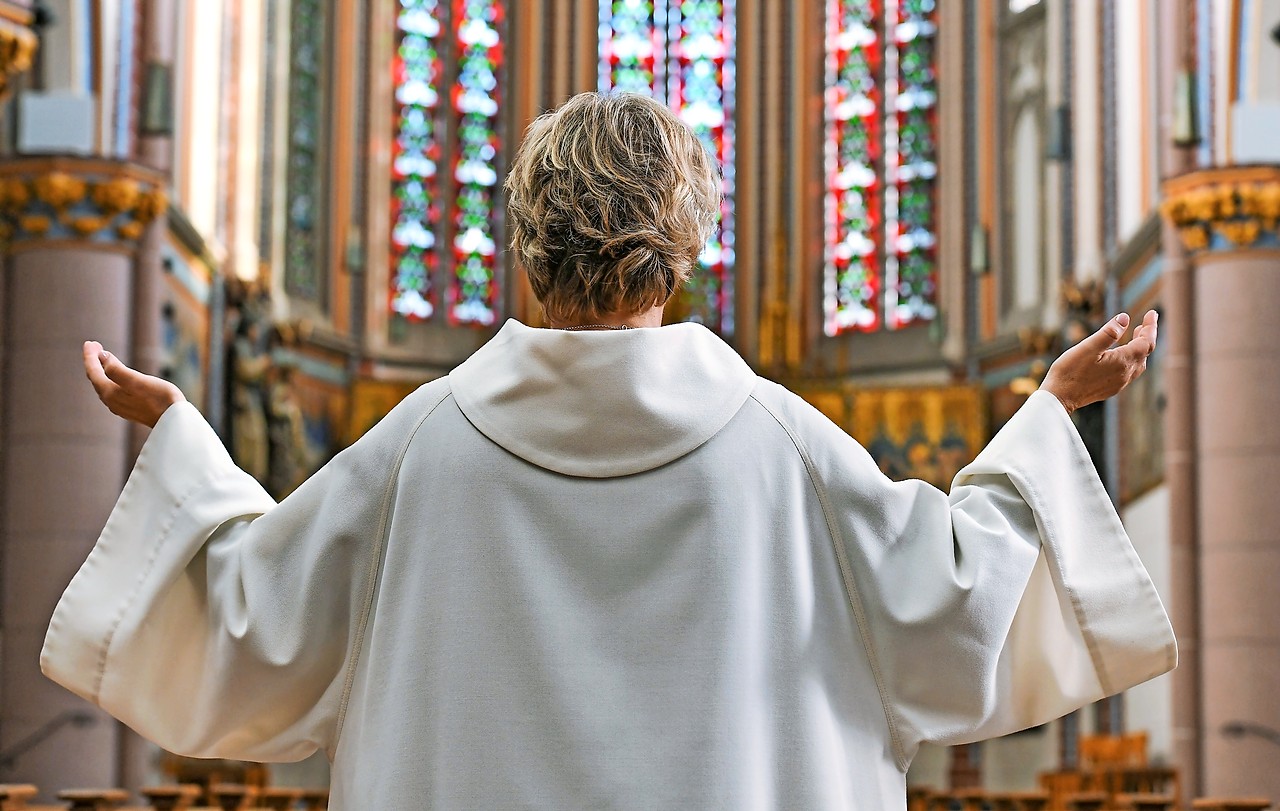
x=597, y=326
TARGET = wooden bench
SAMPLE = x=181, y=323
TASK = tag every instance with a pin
x=315, y=799
x=1147, y=802
x=279, y=799
x=14, y=796
x=1231, y=804
x=94, y=799
x=1087, y=801
x=232, y=796
x=171, y=798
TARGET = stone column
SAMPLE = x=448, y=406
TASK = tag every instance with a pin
x=1178, y=335
x=1228, y=218
x=72, y=228
x=155, y=150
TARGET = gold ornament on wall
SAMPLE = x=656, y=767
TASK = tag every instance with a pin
x=17, y=52
x=37, y=224
x=59, y=189
x=105, y=202
x=1241, y=205
x=117, y=195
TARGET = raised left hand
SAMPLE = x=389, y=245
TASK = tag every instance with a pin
x=127, y=392
x=1096, y=368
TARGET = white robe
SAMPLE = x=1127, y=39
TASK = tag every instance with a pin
x=607, y=570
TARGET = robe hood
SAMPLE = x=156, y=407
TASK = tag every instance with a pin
x=602, y=403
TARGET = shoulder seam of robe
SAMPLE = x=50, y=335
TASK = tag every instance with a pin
x=851, y=587
x=375, y=570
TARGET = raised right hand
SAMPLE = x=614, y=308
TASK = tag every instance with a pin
x=1096, y=368
x=127, y=392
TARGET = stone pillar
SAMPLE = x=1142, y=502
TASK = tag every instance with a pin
x=155, y=150
x=1228, y=218
x=72, y=228
x=1177, y=332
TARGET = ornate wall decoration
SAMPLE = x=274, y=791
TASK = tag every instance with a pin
x=1220, y=209
x=91, y=200
x=17, y=50
x=926, y=433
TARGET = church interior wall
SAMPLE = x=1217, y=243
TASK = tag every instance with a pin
x=1133, y=42
x=1087, y=145
x=1149, y=706
x=347, y=360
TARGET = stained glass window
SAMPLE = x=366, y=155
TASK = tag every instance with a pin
x=415, y=158
x=682, y=53
x=467, y=35
x=303, y=175
x=473, y=292
x=881, y=164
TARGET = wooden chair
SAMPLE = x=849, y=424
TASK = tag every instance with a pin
x=171, y=798
x=94, y=799
x=14, y=796
x=1111, y=751
x=943, y=801
x=279, y=799
x=1002, y=802
x=232, y=796
x=918, y=798
x=1088, y=801
x=1030, y=800
x=972, y=799
x=1231, y=804
x=1060, y=785
x=1146, y=802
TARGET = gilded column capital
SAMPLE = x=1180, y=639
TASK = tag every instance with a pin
x=83, y=200
x=18, y=45
x=1227, y=208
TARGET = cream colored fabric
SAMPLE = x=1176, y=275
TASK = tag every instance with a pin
x=607, y=570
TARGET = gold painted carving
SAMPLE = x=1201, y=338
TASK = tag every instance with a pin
x=1239, y=205
x=17, y=52
x=56, y=202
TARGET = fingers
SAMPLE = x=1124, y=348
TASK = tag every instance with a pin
x=1105, y=338
x=1143, y=342
x=119, y=373
x=1148, y=329
x=93, y=369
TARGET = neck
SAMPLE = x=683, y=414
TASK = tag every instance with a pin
x=649, y=318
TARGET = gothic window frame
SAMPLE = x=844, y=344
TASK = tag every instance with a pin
x=1024, y=30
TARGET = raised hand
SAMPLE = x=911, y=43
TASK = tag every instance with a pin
x=127, y=392
x=1096, y=368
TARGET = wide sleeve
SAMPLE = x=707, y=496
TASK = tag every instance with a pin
x=216, y=622
x=1010, y=602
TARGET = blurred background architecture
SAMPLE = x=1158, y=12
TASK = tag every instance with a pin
x=293, y=210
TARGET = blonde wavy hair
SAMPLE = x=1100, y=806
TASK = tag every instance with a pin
x=611, y=199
